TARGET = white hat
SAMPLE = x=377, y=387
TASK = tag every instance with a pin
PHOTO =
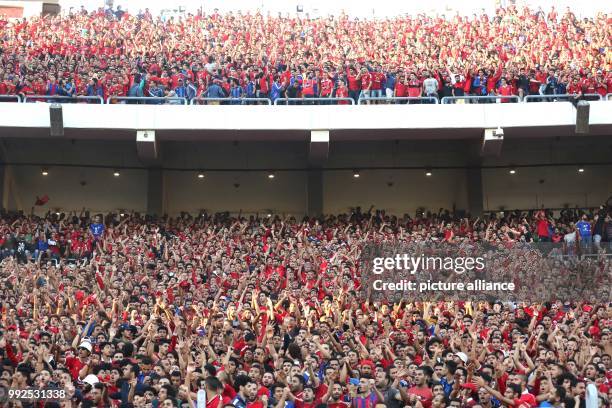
x=91, y=379
x=462, y=356
x=86, y=345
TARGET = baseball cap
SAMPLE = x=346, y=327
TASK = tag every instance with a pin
x=91, y=379
x=462, y=356
x=86, y=345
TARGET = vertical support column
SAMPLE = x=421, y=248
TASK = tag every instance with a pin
x=475, y=195
x=155, y=192
x=3, y=204
x=315, y=192
x=317, y=157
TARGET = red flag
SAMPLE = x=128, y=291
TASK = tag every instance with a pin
x=42, y=200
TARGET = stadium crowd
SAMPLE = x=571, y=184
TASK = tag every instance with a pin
x=130, y=311
x=518, y=51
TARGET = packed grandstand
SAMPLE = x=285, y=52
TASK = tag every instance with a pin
x=516, y=52
x=232, y=311
x=133, y=311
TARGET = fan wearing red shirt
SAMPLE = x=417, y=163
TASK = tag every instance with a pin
x=414, y=86
x=342, y=92
x=326, y=87
x=400, y=86
x=75, y=364
x=504, y=89
x=354, y=85
x=420, y=389
x=366, y=83
x=377, y=79
x=333, y=397
x=307, y=400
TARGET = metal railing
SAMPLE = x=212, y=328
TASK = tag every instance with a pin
x=174, y=100
x=63, y=99
x=396, y=99
x=480, y=99
x=147, y=100
x=10, y=98
x=231, y=101
x=560, y=97
x=313, y=101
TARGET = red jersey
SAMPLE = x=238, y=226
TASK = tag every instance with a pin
x=342, y=92
x=414, y=88
x=366, y=81
x=505, y=90
x=308, y=87
x=377, y=79
x=353, y=83
x=74, y=365
x=400, y=89
x=326, y=87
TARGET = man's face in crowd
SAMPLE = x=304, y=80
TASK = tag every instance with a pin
x=251, y=391
x=267, y=379
x=579, y=389
x=381, y=380
x=337, y=392
x=308, y=395
x=420, y=378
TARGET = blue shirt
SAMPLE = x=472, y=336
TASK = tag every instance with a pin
x=97, y=229
x=236, y=92
x=276, y=91
x=448, y=387
x=239, y=402
x=180, y=92
x=584, y=227
x=390, y=82
x=215, y=91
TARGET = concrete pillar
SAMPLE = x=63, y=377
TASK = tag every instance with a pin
x=315, y=192
x=475, y=195
x=3, y=204
x=155, y=192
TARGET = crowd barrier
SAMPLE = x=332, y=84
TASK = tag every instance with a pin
x=63, y=99
x=400, y=99
x=314, y=101
x=10, y=98
x=230, y=101
x=478, y=99
x=147, y=100
x=173, y=100
x=561, y=97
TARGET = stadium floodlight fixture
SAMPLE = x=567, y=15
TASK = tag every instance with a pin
x=356, y=173
x=116, y=173
x=44, y=171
